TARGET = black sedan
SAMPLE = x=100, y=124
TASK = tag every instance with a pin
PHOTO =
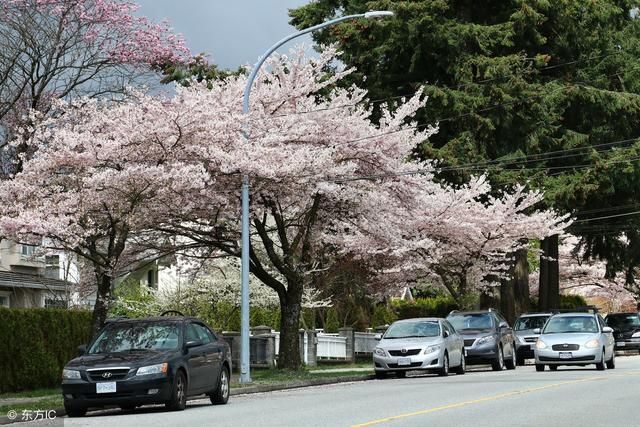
x=626, y=330
x=161, y=360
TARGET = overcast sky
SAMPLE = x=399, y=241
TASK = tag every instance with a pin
x=231, y=32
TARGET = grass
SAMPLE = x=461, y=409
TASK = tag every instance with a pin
x=47, y=403
x=40, y=392
x=274, y=376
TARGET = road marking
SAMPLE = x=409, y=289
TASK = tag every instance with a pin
x=475, y=401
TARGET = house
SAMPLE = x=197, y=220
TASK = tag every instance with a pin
x=30, y=280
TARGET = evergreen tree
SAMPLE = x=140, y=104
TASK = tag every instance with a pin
x=532, y=90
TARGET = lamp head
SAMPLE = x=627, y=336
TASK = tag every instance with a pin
x=378, y=14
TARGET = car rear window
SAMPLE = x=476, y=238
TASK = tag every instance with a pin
x=471, y=321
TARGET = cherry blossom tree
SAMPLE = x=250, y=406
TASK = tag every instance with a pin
x=326, y=183
x=588, y=278
x=64, y=48
x=100, y=177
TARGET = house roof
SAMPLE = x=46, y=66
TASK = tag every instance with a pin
x=20, y=280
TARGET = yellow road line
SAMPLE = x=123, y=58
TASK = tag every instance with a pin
x=472, y=402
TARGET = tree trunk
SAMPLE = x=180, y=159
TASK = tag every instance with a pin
x=507, y=295
x=549, y=293
x=103, y=297
x=290, y=310
x=521, y=282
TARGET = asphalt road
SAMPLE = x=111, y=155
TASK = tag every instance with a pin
x=524, y=397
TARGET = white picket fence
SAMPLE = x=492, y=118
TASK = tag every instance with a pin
x=331, y=346
x=365, y=342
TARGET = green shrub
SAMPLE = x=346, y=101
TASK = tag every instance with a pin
x=568, y=302
x=439, y=306
x=37, y=343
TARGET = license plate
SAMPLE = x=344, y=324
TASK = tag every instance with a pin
x=565, y=355
x=621, y=343
x=106, y=387
x=404, y=361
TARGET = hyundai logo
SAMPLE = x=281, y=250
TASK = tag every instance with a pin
x=565, y=345
x=106, y=375
x=403, y=351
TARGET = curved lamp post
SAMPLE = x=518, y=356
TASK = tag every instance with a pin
x=245, y=376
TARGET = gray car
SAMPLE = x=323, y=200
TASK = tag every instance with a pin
x=428, y=344
x=575, y=339
x=526, y=338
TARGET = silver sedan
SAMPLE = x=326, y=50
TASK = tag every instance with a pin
x=429, y=344
x=575, y=339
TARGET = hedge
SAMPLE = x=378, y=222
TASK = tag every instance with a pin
x=439, y=306
x=37, y=343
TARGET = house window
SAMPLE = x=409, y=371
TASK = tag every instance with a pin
x=55, y=303
x=27, y=250
x=151, y=278
x=4, y=299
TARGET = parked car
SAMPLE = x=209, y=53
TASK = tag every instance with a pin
x=626, y=330
x=524, y=327
x=428, y=344
x=158, y=360
x=488, y=338
x=575, y=339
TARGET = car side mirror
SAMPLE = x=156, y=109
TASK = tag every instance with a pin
x=194, y=343
x=607, y=330
x=445, y=334
x=503, y=325
x=537, y=331
x=82, y=349
x=378, y=337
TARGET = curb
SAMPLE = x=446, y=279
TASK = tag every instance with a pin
x=60, y=412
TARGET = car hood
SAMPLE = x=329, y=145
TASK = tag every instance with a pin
x=400, y=343
x=131, y=359
x=525, y=333
x=625, y=333
x=569, y=338
x=475, y=333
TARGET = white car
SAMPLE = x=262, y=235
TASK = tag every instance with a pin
x=427, y=344
x=575, y=339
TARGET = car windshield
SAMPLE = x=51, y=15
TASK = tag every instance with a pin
x=413, y=330
x=569, y=324
x=131, y=337
x=623, y=322
x=531, y=322
x=471, y=321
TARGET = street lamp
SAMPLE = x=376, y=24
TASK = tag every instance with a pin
x=245, y=376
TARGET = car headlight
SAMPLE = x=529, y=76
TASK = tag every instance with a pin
x=635, y=335
x=541, y=344
x=380, y=352
x=486, y=340
x=594, y=343
x=160, y=368
x=70, y=374
x=432, y=349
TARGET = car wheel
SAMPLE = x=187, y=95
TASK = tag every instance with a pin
x=553, y=367
x=601, y=366
x=461, y=369
x=75, y=411
x=611, y=364
x=511, y=363
x=401, y=374
x=539, y=368
x=444, y=371
x=221, y=395
x=178, y=399
x=381, y=375
x=498, y=364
